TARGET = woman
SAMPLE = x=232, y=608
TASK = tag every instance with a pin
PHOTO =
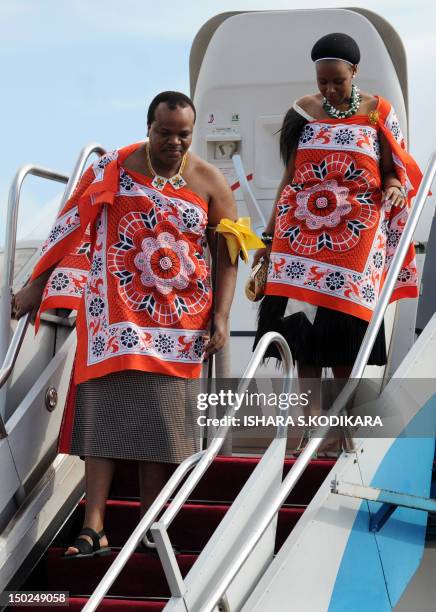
x=340, y=211
x=127, y=251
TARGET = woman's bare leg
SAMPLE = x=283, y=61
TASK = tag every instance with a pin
x=98, y=478
x=334, y=441
x=152, y=478
x=342, y=372
x=309, y=379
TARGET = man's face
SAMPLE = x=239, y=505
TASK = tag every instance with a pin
x=170, y=134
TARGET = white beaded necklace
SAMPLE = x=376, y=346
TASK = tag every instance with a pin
x=335, y=113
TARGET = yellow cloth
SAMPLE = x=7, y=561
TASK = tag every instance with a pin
x=239, y=237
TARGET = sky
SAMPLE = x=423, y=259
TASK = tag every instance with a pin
x=78, y=71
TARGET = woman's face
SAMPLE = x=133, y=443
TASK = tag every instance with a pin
x=334, y=79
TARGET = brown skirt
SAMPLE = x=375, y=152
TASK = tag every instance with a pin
x=136, y=415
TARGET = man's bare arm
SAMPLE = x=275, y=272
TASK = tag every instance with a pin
x=28, y=299
x=221, y=205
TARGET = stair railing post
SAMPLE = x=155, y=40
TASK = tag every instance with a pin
x=9, y=350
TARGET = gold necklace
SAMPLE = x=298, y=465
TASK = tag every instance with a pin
x=159, y=182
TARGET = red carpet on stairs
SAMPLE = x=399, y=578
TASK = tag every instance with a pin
x=143, y=576
x=226, y=477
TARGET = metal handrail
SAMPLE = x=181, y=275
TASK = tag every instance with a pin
x=254, y=210
x=14, y=348
x=12, y=218
x=77, y=172
x=8, y=274
x=181, y=497
x=341, y=401
x=10, y=247
x=201, y=461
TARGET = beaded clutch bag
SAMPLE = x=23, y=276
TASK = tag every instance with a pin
x=255, y=287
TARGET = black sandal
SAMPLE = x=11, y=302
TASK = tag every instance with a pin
x=86, y=549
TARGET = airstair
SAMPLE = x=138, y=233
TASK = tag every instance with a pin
x=142, y=584
x=35, y=372
x=235, y=522
x=239, y=533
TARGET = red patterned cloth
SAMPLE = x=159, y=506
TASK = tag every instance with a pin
x=334, y=239
x=135, y=271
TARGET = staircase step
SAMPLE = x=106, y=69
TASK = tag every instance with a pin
x=142, y=576
x=225, y=478
x=190, y=531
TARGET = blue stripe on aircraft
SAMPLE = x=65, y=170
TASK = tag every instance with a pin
x=376, y=568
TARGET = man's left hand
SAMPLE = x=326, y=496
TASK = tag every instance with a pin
x=219, y=336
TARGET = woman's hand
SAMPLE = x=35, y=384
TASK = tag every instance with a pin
x=261, y=253
x=394, y=196
x=28, y=299
x=219, y=336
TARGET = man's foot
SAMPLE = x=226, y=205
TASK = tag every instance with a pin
x=88, y=543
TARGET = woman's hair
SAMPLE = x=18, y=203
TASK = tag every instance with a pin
x=336, y=46
x=290, y=132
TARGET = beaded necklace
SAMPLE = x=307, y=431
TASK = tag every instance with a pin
x=335, y=113
x=159, y=182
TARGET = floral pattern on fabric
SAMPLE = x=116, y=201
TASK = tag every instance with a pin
x=349, y=137
x=131, y=259
x=107, y=338
x=393, y=125
x=334, y=239
x=64, y=225
x=158, y=269
x=347, y=285
x=65, y=282
x=334, y=205
x=101, y=164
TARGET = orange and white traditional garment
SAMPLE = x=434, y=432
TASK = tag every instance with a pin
x=135, y=270
x=334, y=239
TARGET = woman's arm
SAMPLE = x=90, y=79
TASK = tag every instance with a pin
x=391, y=184
x=286, y=179
x=269, y=229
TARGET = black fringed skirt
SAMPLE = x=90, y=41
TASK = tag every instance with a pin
x=332, y=340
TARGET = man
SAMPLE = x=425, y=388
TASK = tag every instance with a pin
x=144, y=305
